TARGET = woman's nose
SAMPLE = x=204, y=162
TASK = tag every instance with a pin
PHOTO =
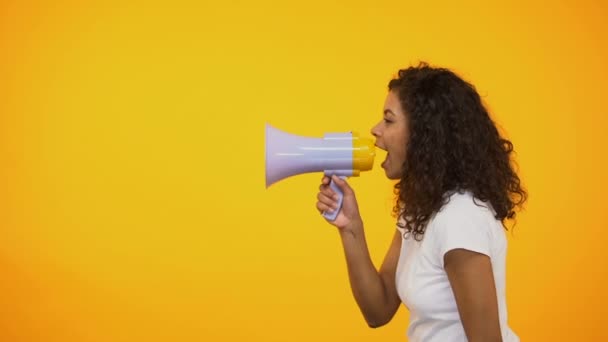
x=375, y=131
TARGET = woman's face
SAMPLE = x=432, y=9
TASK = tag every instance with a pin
x=391, y=135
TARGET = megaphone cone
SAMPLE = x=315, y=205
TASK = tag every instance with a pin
x=341, y=154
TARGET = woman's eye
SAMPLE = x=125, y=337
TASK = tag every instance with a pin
x=387, y=121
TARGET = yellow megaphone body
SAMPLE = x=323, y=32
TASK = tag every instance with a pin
x=342, y=154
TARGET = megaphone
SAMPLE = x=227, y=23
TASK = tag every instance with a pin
x=343, y=154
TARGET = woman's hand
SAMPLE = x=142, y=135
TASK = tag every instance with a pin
x=348, y=219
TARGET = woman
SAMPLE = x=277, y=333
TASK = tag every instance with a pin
x=456, y=190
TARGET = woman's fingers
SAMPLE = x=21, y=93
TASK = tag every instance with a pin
x=321, y=207
x=327, y=200
x=325, y=180
x=327, y=191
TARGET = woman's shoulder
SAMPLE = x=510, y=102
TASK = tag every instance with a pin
x=463, y=203
x=464, y=222
x=460, y=208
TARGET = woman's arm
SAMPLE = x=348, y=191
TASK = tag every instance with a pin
x=375, y=292
x=472, y=282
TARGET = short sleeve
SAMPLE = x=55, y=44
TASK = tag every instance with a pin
x=461, y=229
x=400, y=225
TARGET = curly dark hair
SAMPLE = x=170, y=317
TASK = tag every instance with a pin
x=453, y=145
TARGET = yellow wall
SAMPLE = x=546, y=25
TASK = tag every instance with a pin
x=133, y=205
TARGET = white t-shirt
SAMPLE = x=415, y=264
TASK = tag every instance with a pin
x=422, y=282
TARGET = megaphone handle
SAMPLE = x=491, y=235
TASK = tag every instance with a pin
x=332, y=216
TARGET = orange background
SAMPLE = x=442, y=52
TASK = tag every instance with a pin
x=133, y=205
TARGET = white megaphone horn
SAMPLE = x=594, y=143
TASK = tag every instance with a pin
x=342, y=154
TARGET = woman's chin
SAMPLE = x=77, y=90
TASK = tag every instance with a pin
x=393, y=177
x=390, y=174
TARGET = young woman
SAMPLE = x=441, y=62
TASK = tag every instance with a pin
x=456, y=189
